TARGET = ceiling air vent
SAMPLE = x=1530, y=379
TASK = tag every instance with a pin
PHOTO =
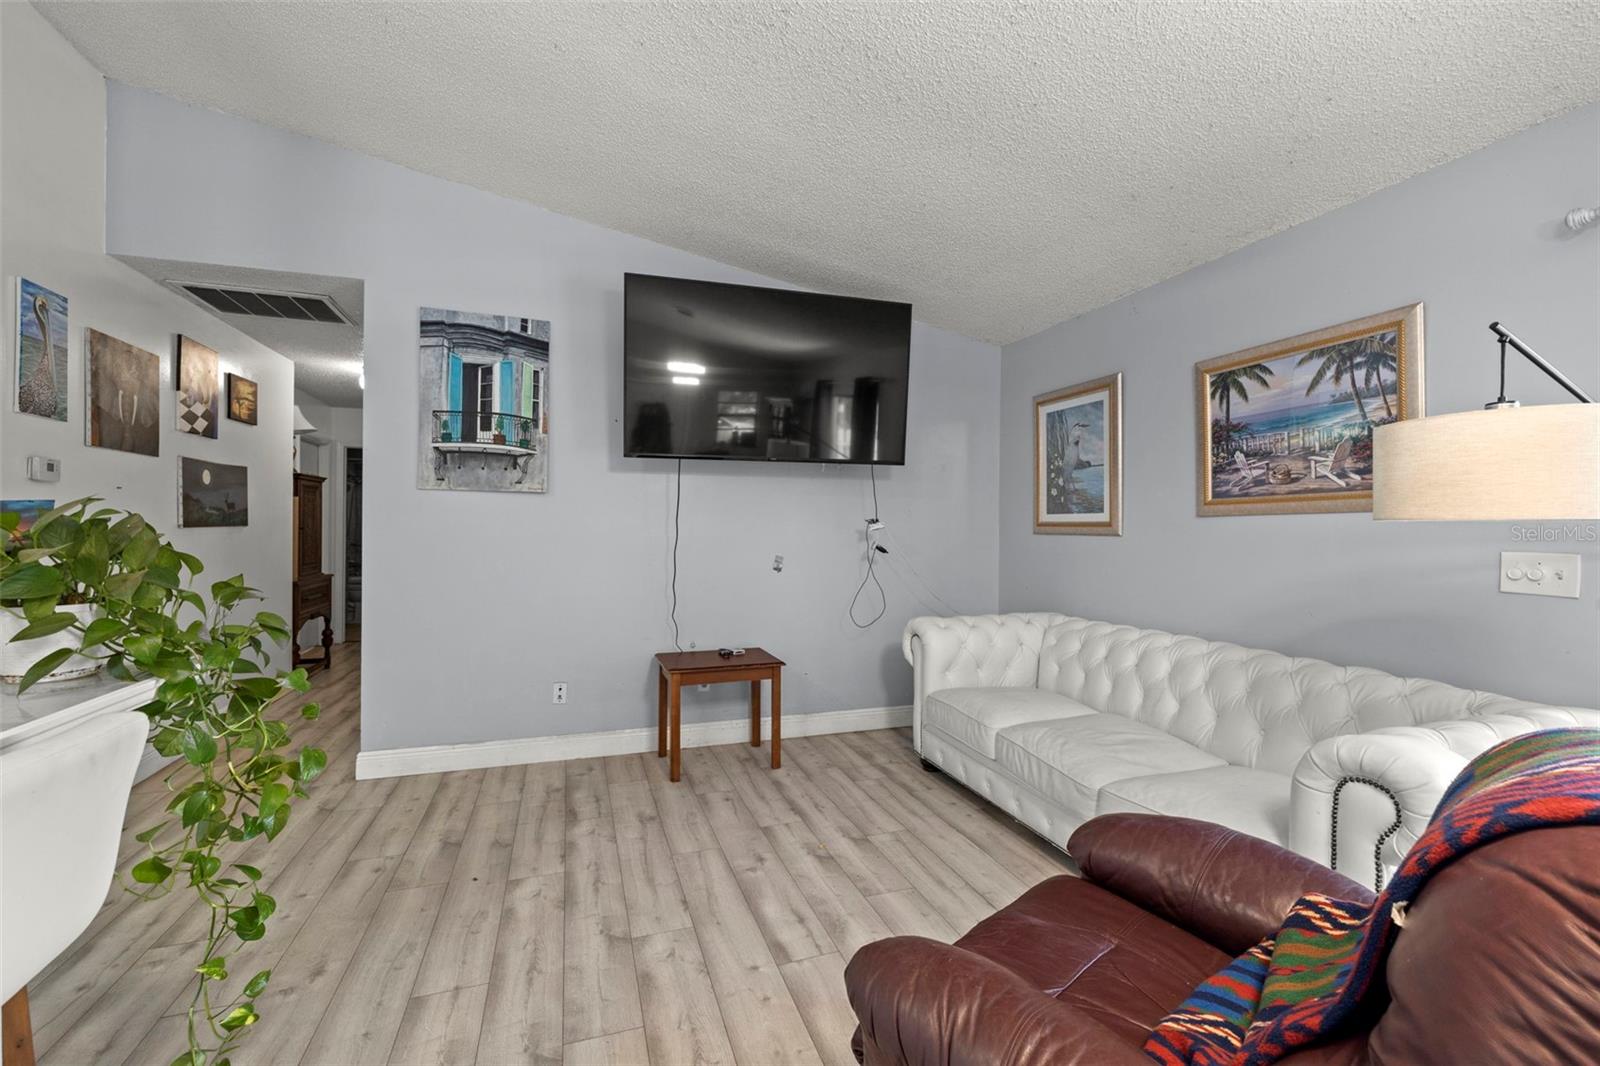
x=300, y=306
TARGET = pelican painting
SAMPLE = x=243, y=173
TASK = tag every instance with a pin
x=41, y=351
x=198, y=388
x=1078, y=459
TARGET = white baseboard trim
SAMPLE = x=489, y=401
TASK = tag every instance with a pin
x=399, y=762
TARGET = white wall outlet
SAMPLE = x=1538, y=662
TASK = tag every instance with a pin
x=558, y=693
x=1540, y=573
x=777, y=564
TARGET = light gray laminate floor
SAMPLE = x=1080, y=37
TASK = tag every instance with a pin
x=580, y=912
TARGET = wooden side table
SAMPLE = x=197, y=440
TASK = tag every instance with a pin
x=677, y=669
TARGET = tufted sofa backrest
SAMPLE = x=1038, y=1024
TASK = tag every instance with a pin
x=1253, y=708
x=982, y=651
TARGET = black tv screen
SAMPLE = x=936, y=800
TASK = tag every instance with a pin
x=715, y=371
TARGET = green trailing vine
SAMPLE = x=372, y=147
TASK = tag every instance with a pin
x=213, y=707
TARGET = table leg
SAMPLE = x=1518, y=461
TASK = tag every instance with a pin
x=661, y=713
x=777, y=717
x=755, y=714
x=18, y=1030
x=677, y=727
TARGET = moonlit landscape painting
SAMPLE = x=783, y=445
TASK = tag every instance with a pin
x=212, y=494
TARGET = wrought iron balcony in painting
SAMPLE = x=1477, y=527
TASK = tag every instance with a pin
x=512, y=439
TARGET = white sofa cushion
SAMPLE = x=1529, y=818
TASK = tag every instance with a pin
x=1250, y=801
x=1070, y=760
x=975, y=716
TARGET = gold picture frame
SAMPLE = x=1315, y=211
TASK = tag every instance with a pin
x=1299, y=440
x=1077, y=459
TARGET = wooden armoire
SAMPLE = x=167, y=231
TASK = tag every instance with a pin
x=313, y=589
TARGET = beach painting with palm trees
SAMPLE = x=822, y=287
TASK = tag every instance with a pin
x=41, y=351
x=1287, y=427
x=1078, y=458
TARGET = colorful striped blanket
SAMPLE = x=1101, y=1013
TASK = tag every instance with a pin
x=1324, y=966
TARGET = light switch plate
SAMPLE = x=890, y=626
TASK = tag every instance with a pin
x=1540, y=573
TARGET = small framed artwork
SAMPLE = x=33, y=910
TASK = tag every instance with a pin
x=27, y=511
x=124, y=384
x=212, y=494
x=241, y=399
x=1286, y=427
x=41, y=351
x=196, y=375
x=1077, y=455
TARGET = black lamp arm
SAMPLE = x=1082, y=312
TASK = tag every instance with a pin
x=1509, y=338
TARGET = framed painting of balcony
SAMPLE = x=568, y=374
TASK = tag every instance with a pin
x=483, y=418
x=1286, y=427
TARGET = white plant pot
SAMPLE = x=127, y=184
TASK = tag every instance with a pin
x=16, y=658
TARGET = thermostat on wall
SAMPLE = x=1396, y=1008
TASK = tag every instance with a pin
x=41, y=468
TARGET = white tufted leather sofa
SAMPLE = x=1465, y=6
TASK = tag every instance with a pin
x=1057, y=719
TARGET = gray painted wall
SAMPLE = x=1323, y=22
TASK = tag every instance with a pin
x=1475, y=240
x=477, y=602
x=52, y=223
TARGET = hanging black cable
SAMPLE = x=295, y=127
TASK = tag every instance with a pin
x=677, y=510
x=872, y=557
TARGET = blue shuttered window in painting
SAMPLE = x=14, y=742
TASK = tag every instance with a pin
x=453, y=382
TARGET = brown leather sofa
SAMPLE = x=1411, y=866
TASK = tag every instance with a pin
x=1499, y=960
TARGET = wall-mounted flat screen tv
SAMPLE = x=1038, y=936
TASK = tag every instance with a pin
x=715, y=371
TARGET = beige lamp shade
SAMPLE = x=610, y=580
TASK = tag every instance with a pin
x=1509, y=464
x=302, y=424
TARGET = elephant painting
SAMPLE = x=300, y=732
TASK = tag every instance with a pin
x=124, y=396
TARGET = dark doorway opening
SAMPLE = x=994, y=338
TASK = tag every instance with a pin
x=352, y=545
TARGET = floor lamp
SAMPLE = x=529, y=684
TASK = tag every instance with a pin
x=1504, y=463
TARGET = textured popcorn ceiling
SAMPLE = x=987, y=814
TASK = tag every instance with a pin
x=1002, y=167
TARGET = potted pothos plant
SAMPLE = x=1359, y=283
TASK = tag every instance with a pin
x=217, y=705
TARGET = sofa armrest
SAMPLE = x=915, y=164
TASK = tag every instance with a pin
x=1360, y=801
x=1228, y=888
x=972, y=651
x=925, y=1003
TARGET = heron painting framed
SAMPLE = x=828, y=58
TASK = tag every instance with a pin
x=124, y=396
x=1286, y=427
x=198, y=388
x=1077, y=454
x=41, y=351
